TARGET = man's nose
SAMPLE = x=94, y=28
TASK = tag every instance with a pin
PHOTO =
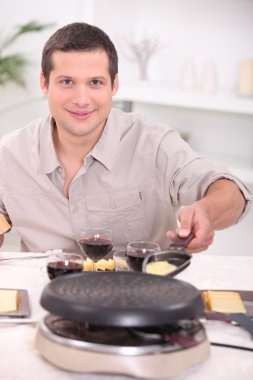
x=81, y=95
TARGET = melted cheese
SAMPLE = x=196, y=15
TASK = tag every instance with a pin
x=161, y=268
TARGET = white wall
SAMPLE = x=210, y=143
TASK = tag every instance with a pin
x=218, y=30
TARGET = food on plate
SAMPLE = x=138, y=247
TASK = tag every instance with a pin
x=87, y=264
x=105, y=264
x=100, y=265
x=224, y=301
x=4, y=225
x=161, y=268
x=8, y=300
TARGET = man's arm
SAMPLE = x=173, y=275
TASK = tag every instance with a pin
x=221, y=207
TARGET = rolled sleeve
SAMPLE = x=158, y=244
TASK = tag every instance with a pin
x=245, y=190
x=188, y=175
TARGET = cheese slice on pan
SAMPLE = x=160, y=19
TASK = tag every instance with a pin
x=8, y=300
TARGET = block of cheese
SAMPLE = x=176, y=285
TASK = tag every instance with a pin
x=100, y=265
x=8, y=300
x=87, y=264
x=161, y=268
x=105, y=264
x=224, y=301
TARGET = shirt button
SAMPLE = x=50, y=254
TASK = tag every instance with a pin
x=75, y=209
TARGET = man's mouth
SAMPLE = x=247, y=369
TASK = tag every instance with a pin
x=80, y=114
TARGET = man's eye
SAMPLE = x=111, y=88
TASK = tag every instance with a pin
x=96, y=83
x=67, y=82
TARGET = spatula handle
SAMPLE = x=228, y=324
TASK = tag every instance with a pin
x=180, y=243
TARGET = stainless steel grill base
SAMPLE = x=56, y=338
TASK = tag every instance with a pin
x=77, y=356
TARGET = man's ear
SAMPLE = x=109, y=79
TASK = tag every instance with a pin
x=115, y=85
x=43, y=83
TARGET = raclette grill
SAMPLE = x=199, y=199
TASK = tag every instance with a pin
x=127, y=323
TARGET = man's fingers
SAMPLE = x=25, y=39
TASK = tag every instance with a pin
x=171, y=235
x=185, y=217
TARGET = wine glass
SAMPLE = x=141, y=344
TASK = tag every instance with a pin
x=137, y=251
x=62, y=263
x=96, y=243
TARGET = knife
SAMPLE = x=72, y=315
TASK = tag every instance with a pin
x=34, y=256
x=240, y=318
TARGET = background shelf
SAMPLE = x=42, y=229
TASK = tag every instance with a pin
x=223, y=101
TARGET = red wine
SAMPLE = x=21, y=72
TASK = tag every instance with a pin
x=135, y=259
x=96, y=248
x=58, y=268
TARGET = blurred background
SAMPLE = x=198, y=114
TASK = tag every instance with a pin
x=187, y=63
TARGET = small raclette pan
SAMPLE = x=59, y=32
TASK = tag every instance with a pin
x=175, y=254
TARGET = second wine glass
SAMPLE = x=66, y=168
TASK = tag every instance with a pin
x=137, y=251
x=96, y=243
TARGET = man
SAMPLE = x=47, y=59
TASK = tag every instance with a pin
x=88, y=165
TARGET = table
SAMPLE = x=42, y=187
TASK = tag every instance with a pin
x=19, y=359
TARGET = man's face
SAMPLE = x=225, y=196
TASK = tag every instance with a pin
x=80, y=92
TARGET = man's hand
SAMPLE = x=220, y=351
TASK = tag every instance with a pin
x=221, y=207
x=194, y=219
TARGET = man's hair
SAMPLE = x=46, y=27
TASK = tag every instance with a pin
x=79, y=36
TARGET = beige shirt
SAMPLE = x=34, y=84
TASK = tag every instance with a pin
x=133, y=182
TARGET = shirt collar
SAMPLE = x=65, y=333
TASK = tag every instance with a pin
x=104, y=151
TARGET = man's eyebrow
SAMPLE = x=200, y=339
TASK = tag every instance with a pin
x=98, y=77
x=63, y=76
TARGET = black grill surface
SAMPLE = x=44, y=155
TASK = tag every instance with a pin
x=122, y=299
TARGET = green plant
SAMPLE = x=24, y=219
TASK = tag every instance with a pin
x=12, y=65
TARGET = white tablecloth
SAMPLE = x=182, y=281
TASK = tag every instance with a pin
x=20, y=360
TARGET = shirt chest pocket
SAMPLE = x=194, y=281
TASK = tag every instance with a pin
x=122, y=212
